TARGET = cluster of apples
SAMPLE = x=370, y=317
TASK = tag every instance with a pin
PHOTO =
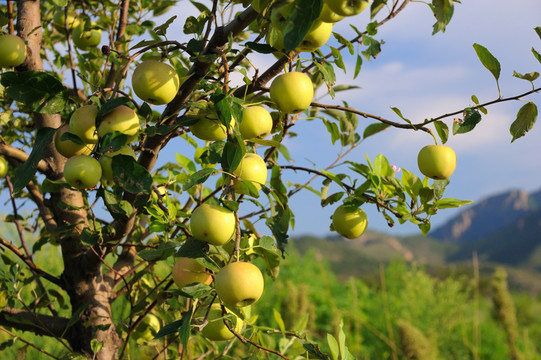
x=85, y=34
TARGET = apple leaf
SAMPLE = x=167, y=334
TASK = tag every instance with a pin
x=488, y=60
x=41, y=92
x=260, y=48
x=399, y=113
x=25, y=172
x=314, y=350
x=131, y=176
x=526, y=117
x=536, y=54
x=375, y=128
x=233, y=152
x=443, y=131
x=376, y=6
x=358, y=65
x=529, y=76
x=471, y=118
x=333, y=346
x=163, y=251
x=538, y=31
x=443, y=12
x=304, y=13
x=182, y=326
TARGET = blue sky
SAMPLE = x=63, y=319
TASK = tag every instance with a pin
x=426, y=76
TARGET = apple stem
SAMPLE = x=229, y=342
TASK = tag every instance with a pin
x=434, y=136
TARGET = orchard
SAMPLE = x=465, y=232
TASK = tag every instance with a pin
x=168, y=259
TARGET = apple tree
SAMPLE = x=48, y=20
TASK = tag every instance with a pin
x=115, y=254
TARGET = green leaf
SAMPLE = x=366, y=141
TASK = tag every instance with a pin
x=162, y=29
x=536, y=54
x=443, y=12
x=376, y=6
x=442, y=130
x=471, y=118
x=447, y=203
x=538, y=31
x=375, y=128
x=260, y=48
x=333, y=346
x=299, y=21
x=358, y=65
x=278, y=318
x=163, y=251
x=131, y=176
x=233, y=152
x=488, y=60
x=399, y=113
x=198, y=177
x=529, y=76
x=25, y=172
x=41, y=92
x=314, y=350
x=382, y=166
x=526, y=117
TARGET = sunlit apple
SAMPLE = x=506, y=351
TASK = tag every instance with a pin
x=437, y=161
x=83, y=123
x=256, y=123
x=252, y=168
x=69, y=148
x=210, y=128
x=317, y=36
x=188, y=271
x=82, y=171
x=12, y=51
x=155, y=82
x=3, y=167
x=327, y=15
x=347, y=7
x=122, y=119
x=292, y=92
x=350, y=223
x=212, y=224
x=85, y=37
x=147, y=329
x=216, y=329
x=59, y=21
x=239, y=284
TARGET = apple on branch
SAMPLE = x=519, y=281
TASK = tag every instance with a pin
x=82, y=171
x=256, y=123
x=3, y=167
x=83, y=123
x=216, y=328
x=437, y=161
x=349, y=222
x=251, y=168
x=212, y=224
x=292, y=92
x=70, y=148
x=155, y=82
x=122, y=119
x=347, y=7
x=188, y=271
x=12, y=51
x=86, y=36
x=239, y=284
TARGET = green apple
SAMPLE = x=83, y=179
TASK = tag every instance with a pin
x=350, y=223
x=210, y=128
x=69, y=148
x=319, y=34
x=212, y=224
x=82, y=171
x=86, y=37
x=106, y=161
x=3, y=167
x=256, y=123
x=239, y=284
x=252, y=168
x=327, y=15
x=216, y=329
x=292, y=92
x=59, y=21
x=437, y=161
x=347, y=7
x=147, y=329
x=188, y=271
x=83, y=123
x=122, y=119
x=12, y=51
x=155, y=82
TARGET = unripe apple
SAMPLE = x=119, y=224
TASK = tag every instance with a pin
x=216, y=329
x=82, y=171
x=86, y=39
x=256, y=123
x=212, y=224
x=147, y=329
x=292, y=92
x=122, y=119
x=12, y=51
x=210, y=128
x=437, y=161
x=252, y=168
x=327, y=15
x=69, y=148
x=319, y=34
x=239, y=284
x=347, y=7
x=188, y=271
x=59, y=20
x=83, y=123
x=155, y=82
x=3, y=167
x=350, y=223
x=106, y=161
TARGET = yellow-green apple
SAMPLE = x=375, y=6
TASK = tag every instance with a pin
x=292, y=92
x=59, y=21
x=86, y=37
x=147, y=329
x=327, y=15
x=83, y=123
x=155, y=82
x=106, y=161
x=317, y=36
x=210, y=128
x=348, y=222
x=12, y=51
x=251, y=168
x=216, y=329
x=69, y=148
x=82, y=171
x=256, y=123
x=188, y=271
x=347, y=7
x=212, y=224
x=239, y=284
x=3, y=167
x=122, y=119
x=437, y=161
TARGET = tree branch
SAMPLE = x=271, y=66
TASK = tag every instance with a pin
x=29, y=321
x=15, y=154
